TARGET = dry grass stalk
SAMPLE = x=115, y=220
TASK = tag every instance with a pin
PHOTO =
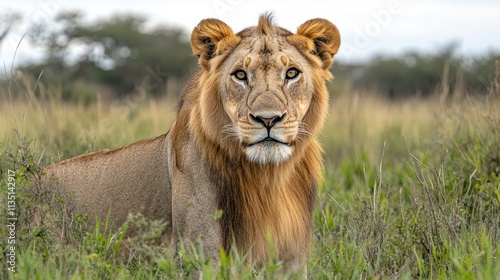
x=445, y=87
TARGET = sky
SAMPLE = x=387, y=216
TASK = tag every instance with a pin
x=368, y=28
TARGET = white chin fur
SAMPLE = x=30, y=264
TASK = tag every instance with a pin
x=268, y=153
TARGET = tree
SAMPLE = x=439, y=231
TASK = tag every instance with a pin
x=118, y=53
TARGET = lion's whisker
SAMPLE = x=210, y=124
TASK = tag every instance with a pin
x=230, y=133
x=303, y=132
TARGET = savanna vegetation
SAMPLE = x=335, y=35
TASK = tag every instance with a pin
x=411, y=148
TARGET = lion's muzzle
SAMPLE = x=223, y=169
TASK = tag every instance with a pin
x=268, y=137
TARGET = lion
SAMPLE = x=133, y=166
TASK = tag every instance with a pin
x=244, y=144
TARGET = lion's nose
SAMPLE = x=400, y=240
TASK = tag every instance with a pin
x=268, y=122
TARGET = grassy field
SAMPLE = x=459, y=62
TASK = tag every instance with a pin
x=411, y=190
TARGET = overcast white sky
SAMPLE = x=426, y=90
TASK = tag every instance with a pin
x=367, y=27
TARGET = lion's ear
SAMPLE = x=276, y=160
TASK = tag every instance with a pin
x=211, y=37
x=325, y=38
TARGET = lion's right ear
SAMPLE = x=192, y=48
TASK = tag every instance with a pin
x=210, y=38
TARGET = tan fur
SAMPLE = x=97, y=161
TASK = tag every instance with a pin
x=215, y=156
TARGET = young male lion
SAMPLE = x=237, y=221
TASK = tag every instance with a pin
x=244, y=143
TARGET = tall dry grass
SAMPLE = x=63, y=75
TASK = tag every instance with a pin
x=64, y=130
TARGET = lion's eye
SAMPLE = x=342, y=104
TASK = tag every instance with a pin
x=240, y=75
x=292, y=73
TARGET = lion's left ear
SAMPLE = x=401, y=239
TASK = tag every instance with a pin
x=210, y=38
x=324, y=39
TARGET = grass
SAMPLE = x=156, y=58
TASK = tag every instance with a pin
x=411, y=190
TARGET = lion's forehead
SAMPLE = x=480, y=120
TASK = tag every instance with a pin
x=263, y=53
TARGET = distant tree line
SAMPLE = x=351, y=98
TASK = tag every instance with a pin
x=417, y=74
x=122, y=55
